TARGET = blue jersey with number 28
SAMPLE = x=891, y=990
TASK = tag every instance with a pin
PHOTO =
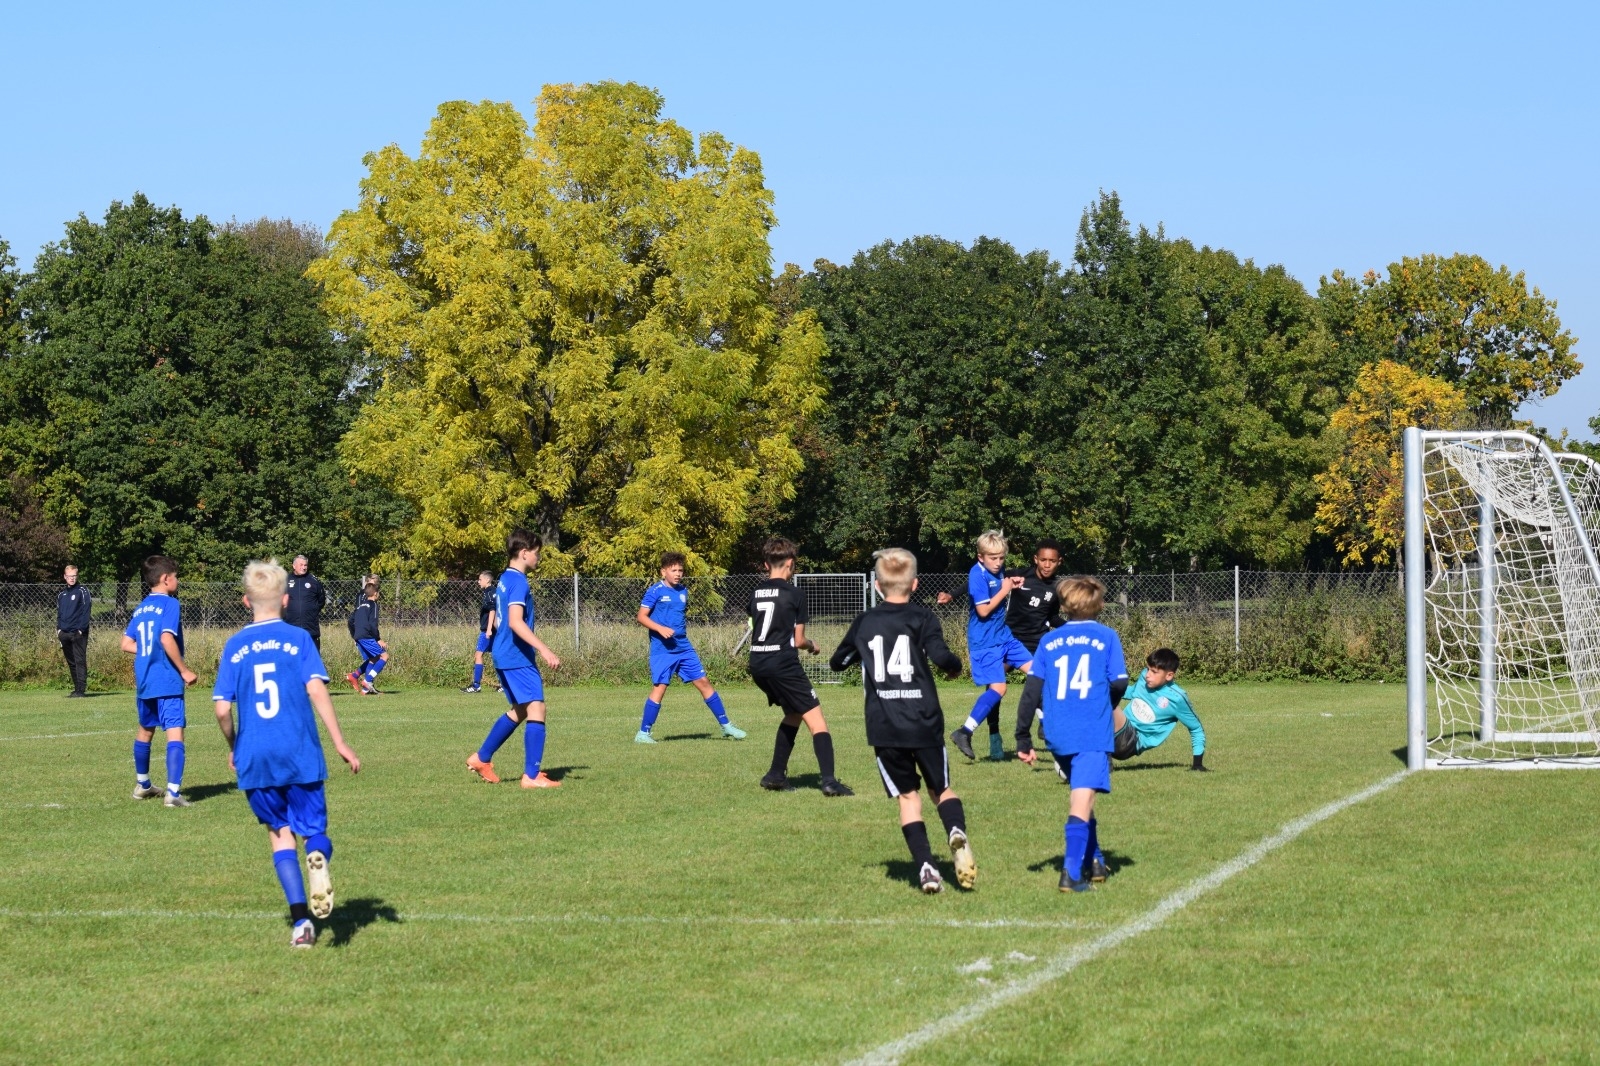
x=1078, y=662
x=264, y=669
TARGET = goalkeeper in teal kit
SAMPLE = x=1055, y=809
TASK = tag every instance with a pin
x=1156, y=706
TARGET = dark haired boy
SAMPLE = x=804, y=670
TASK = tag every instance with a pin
x=664, y=611
x=1156, y=706
x=363, y=626
x=517, y=650
x=1035, y=610
x=778, y=619
x=486, y=618
x=154, y=637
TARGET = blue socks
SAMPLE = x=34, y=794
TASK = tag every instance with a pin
x=174, y=766
x=499, y=733
x=477, y=675
x=141, y=762
x=1077, y=845
x=319, y=842
x=714, y=701
x=987, y=702
x=533, y=752
x=287, y=863
x=375, y=668
x=652, y=711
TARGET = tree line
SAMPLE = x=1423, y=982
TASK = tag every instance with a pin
x=573, y=325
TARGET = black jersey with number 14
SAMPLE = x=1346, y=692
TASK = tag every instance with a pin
x=776, y=607
x=894, y=643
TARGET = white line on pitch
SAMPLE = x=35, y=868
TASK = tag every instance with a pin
x=1063, y=964
x=60, y=736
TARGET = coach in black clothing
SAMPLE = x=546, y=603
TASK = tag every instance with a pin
x=72, y=626
x=307, y=598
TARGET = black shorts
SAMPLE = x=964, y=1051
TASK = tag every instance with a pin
x=1126, y=742
x=786, y=686
x=898, y=768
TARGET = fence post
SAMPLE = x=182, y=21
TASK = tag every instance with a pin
x=1236, y=610
x=397, y=597
x=574, y=610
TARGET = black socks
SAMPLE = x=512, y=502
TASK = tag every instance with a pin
x=917, y=840
x=822, y=743
x=953, y=815
x=299, y=912
x=782, y=748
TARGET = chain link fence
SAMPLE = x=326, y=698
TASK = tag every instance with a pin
x=1225, y=624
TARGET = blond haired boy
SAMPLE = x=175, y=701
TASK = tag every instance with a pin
x=990, y=642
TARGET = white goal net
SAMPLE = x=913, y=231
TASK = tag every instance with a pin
x=1503, y=602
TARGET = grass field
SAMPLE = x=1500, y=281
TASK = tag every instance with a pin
x=662, y=908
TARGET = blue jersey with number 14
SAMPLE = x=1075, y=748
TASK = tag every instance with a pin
x=1078, y=662
x=265, y=668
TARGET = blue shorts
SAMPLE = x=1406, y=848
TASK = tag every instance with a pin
x=989, y=664
x=483, y=643
x=303, y=808
x=522, y=684
x=371, y=649
x=1085, y=769
x=162, y=712
x=682, y=660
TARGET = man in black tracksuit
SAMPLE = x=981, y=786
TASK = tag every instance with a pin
x=1034, y=610
x=307, y=598
x=72, y=627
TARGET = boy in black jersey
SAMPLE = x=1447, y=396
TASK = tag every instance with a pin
x=486, y=623
x=1035, y=610
x=894, y=642
x=777, y=633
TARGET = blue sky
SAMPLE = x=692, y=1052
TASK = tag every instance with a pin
x=1317, y=136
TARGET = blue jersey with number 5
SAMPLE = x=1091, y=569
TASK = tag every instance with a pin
x=153, y=673
x=264, y=669
x=1078, y=662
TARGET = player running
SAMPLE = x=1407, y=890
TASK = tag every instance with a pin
x=271, y=669
x=990, y=642
x=363, y=626
x=894, y=643
x=663, y=612
x=1034, y=610
x=154, y=637
x=777, y=633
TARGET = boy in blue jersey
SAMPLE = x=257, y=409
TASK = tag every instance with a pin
x=374, y=651
x=1085, y=676
x=486, y=628
x=1156, y=706
x=154, y=638
x=990, y=644
x=516, y=650
x=662, y=612
x=271, y=669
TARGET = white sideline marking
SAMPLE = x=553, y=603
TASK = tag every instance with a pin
x=889, y=1054
x=565, y=919
x=62, y=736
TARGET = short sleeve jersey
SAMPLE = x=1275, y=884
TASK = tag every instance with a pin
x=265, y=669
x=991, y=632
x=776, y=607
x=894, y=642
x=485, y=608
x=668, y=605
x=1078, y=661
x=153, y=673
x=510, y=651
x=1033, y=609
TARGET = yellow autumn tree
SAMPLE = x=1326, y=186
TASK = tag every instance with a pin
x=571, y=330
x=1362, y=500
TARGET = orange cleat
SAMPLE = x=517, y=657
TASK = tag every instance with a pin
x=540, y=782
x=355, y=683
x=483, y=769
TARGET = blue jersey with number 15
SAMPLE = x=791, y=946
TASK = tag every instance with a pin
x=153, y=673
x=265, y=668
x=1078, y=662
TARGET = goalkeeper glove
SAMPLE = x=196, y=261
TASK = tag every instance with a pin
x=1199, y=764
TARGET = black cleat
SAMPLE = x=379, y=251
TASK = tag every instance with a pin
x=837, y=788
x=1098, y=871
x=1069, y=885
x=776, y=783
x=963, y=742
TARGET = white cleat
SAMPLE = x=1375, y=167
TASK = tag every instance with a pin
x=929, y=880
x=319, y=886
x=144, y=792
x=304, y=936
x=966, y=864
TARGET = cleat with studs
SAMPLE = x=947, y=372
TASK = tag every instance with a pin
x=963, y=742
x=776, y=783
x=483, y=769
x=176, y=799
x=966, y=863
x=144, y=792
x=319, y=884
x=929, y=881
x=1068, y=884
x=837, y=788
x=1098, y=871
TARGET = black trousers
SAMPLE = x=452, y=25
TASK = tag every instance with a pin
x=75, y=646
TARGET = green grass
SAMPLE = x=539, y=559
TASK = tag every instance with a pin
x=660, y=907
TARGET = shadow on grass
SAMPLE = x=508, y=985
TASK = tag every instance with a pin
x=909, y=873
x=352, y=916
x=559, y=773
x=1115, y=862
x=685, y=736
x=197, y=793
x=1125, y=767
x=806, y=780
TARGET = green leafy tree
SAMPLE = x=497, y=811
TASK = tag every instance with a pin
x=572, y=329
x=179, y=393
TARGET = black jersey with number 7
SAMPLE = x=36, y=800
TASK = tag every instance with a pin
x=894, y=642
x=776, y=607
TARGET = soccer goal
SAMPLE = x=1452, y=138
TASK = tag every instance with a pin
x=1502, y=602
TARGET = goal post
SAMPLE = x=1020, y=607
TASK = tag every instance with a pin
x=1502, y=591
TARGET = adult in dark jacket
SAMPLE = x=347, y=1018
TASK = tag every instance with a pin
x=72, y=628
x=307, y=598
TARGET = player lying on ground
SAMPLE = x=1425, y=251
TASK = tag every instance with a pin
x=1085, y=676
x=363, y=626
x=1156, y=706
x=664, y=612
x=990, y=642
x=271, y=669
x=894, y=643
x=154, y=637
x=486, y=628
x=516, y=650
x=778, y=619
x=1034, y=609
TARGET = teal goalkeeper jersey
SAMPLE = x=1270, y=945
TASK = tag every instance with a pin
x=1155, y=714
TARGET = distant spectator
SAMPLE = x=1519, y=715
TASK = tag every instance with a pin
x=72, y=627
x=307, y=598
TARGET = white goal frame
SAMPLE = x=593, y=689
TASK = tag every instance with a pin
x=1432, y=689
